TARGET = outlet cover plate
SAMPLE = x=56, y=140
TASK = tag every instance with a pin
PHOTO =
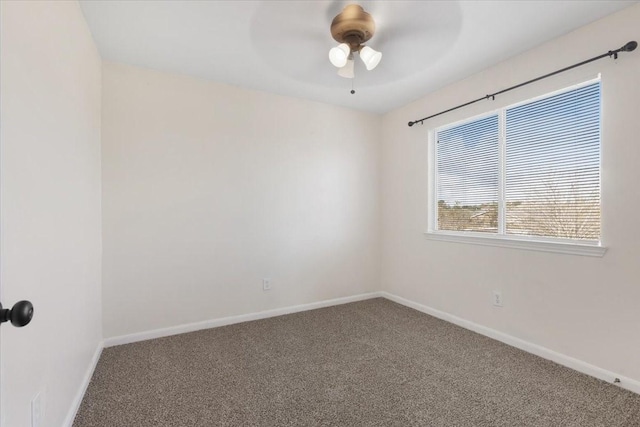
x=37, y=409
x=496, y=297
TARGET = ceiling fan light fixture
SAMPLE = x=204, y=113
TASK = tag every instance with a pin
x=352, y=28
x=370, y=57
x=339, y=55
x=348, y=70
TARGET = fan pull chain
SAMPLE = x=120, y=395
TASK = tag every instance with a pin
x=353, y=92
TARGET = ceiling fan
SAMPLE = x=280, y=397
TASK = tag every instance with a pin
x=352, y=28
x=294, y=39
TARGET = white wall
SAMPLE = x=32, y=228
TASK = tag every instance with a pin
x=208, y=188
x=583, y=307
x=50, y=186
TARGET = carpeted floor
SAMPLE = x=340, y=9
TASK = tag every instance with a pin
x=371, y=363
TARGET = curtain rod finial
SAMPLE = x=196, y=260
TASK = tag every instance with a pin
x=411, y=123
x=629, y=47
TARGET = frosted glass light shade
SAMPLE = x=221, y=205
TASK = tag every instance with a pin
x=370, y=57
x=338, y=55
x=347, y=71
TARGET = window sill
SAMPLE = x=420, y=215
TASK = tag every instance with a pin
x=511, y=242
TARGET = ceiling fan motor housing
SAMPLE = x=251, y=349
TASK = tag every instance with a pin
x=353, y=26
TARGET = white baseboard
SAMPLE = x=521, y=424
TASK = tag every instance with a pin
x=561, y=359
x=71, y=415
x=223, y=321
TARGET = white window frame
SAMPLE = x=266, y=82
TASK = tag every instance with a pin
x=537, y=243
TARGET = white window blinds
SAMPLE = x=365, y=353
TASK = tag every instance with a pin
x=468, y=176
x=553, y=166
x=547, y=184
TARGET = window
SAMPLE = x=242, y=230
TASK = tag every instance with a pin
x=525, y=172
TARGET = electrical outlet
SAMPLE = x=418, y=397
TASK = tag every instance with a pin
x=497, y=298
x=266, y=284
x=37, y=409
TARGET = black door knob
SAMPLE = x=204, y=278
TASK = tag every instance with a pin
x=20, y=314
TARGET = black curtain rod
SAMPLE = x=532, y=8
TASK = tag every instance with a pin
x=626, y=48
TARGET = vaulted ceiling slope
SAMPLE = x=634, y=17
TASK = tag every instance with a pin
x=281, y=46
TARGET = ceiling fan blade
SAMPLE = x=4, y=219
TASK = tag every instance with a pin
x=295, y=39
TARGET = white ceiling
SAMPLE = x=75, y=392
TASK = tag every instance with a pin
x=282, y=46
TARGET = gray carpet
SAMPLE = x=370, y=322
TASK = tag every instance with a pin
x=371, y=363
